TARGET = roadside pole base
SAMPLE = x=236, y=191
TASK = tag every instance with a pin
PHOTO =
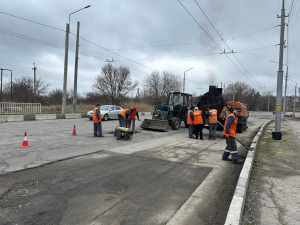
x=276, y=135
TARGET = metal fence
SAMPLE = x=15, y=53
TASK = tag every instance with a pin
x=19, y=108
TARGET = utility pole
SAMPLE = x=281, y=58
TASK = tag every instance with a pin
x=277, y=134
x=284, y=100
x=76, y=70
x=64, y=100
x=34, y=78
x=268, y=102
x=1, y=85
x=184, y=79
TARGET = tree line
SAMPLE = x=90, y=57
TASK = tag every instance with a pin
x=114, y=84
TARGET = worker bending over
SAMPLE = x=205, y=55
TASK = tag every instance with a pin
x=229, y=132
x=134, y=114
x=190, y=122
x=212, y=120
x=198, y=122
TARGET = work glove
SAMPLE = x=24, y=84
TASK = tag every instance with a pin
x=227, y=135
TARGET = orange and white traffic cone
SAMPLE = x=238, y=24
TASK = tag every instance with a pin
x=25, y=142
x=74, y=131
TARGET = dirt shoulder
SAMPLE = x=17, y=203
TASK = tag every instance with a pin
x=273, y=192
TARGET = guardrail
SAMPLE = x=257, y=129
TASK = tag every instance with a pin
x=19, y=108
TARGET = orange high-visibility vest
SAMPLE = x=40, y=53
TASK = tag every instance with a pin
x=198, y=117
x=95, y=119
x=133, y=114
x=233, y=126
x=123, y=113
x=213, y=112
x=189, y=119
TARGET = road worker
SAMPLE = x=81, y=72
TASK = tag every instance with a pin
x=190, y=122
x=212, y=120
x=229, y=132
x=123, y=117
x=134, y=114
x=97, y=121
x=198, y=122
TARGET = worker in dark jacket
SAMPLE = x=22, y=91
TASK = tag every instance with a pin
x=229, y=132
x=123, y=116
x=132, y=116
x=190, y=122
x=199, y=119
x=97, y=121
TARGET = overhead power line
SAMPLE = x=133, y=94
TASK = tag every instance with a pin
x=79, y=37
x=228, y=47
x=215, y=42
x=32, y=21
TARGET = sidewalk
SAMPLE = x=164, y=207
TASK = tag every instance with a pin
x=273, y=195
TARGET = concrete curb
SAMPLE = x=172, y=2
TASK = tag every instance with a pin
x=236, y=209
x=30, y=117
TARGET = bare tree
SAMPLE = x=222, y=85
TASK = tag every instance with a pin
x=23, y=89
x=115, y=82
x=158, y=86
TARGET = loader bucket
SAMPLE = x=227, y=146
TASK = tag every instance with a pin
x=155, y=124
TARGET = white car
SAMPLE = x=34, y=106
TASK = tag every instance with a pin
x=107, y=112
x=288, y=114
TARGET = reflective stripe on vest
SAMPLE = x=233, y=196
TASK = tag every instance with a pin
x=133, y=114
x=189, y=119
x=95, y=119
x=198, y=117
x=214, y=117
x=233, y=126
x=123, y=113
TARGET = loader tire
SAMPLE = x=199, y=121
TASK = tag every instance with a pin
x=175, y=123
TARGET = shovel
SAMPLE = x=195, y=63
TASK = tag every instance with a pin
x=248, y=148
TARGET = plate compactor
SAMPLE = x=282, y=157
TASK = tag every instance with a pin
x=122, y=132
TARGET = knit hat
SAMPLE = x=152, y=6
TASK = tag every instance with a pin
x=98, y=104
x=238, y=109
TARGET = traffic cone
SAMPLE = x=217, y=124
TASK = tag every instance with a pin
x=25, y=142
x=74, y=131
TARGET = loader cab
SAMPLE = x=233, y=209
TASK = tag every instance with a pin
x=178, y=98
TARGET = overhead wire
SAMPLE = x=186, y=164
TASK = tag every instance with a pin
x=76, y=35
x=229, y=49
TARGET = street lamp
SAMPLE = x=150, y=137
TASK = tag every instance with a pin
x=64, y=101
x=294, y=98
x=284, y=100
x=10, y=83
x=184, y=78
x=76, y=12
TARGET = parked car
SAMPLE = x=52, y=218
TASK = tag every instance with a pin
x=107, y=112
x=288, y=114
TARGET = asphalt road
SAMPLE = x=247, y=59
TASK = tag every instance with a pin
x=156, y=178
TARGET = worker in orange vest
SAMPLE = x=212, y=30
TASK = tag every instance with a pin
x=229, y=132
x=97, y=121
x=123, y=116
x=134, y=114
x=190, y=121
x=212, y=120
x=198, y=122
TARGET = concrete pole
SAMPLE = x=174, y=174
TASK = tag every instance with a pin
x=1, y=85
x=233, y=96
x=295, y=100
x=280, y=74
x=64, y=100
x=268, y=102
x=34, y=79
x=284, y=100
x=11, y=86
x=183, y=82
x=76, y=70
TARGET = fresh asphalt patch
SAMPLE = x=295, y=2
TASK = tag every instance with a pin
x=101, y=188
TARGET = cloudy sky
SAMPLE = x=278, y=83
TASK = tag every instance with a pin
x=150, y=35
